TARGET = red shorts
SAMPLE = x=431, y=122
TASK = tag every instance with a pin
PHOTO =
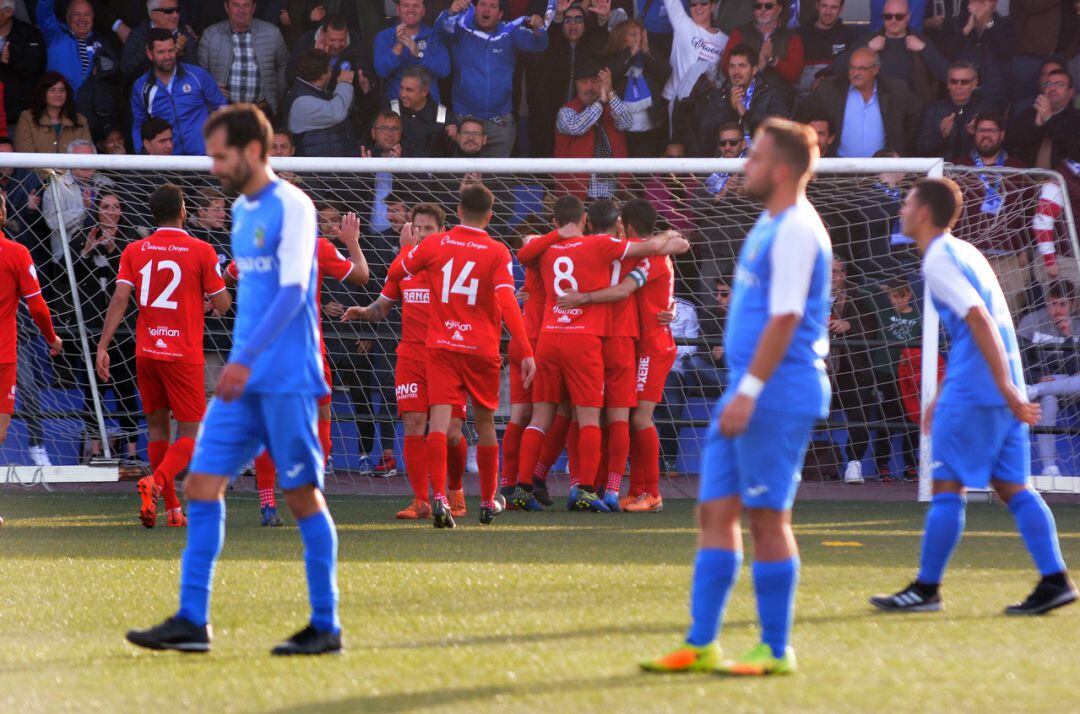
x=652, y=373
x=620, y=372
x=177, y=386
x=519, y=393
x=329, y=398
x=452, y=376
x=7, y=387
x=410, y=387
x=570, y=366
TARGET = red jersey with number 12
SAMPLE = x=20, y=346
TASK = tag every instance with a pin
x=171, y=273
x=582, y=264
x=465, y=267
x=414, y=294
x=18, y=280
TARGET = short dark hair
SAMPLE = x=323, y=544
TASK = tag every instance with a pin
x=817, y=116
x=158, y=34
x=797, y=143
x=603, y=214
x=476, y=201
x=385, y=114
x=243, y=123
x=312, y=64
x=640, y=215
x=472, y=120
x=1061, y=73
x=1060, y=290
x=942, y=197
x=204, y=197
x=152, y=127
x=896, y=282
x=429, y=209
x=728, y=126
x=335, y=22
x=568, y=209
x=744, y=50
x=993, y=116
x=420, y=74
x=165, y=203
x=6, y=141
x=965, y=64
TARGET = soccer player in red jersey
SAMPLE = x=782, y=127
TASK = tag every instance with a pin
x=352, y=271
x=472, y=294
x=171, y=274
x=654, y=281
x=18, y=280
x=570, y=353
x=410, y=372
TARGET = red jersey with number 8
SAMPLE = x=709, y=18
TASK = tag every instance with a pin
x=582, y=264
x=171, y=272
x=464, y=267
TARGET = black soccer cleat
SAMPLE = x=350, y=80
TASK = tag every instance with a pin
x=1052, y=592
x=310, y=641
x=914, y=598
x=487, y=515
x=540, y=493
x=176, y=633
x=440, y=515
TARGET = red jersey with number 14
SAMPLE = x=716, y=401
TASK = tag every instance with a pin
x=171, y=273
x=657, y=294
x=18, y=281
x=582, y=264
x=414, y=294
x=465, y=267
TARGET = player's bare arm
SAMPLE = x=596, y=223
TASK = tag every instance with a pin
x=113, y=317
x=987, y=337
x=374, y=312
x=220, y=302
x=615, y=293
x=774, y=343
x=350, y=236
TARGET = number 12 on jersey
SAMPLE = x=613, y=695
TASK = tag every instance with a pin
x=164, y=299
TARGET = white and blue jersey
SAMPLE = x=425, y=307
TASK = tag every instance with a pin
x=784, y=268
x=975, y=435
x=276, y=334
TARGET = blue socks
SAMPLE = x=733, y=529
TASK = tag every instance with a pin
x=320, y=559
x=206, y=534
x=1036, y=525
x=774, y=586
x=944, y=527
x=715, y=574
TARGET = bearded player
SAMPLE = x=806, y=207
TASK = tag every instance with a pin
x=472, y=294
x=410, y=371
x=775, y=341
x=170, y=273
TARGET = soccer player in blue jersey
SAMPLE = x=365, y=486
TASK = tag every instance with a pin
x=776, y=341
x=980, y=421
x=267, y=394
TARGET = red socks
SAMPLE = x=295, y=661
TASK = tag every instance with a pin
x=600, y=480
x=532, y=440
x=637, y=471
x=416, y=466
x=264, y=478
x=324, y=437
x=572, y=453
x=176, y=460
x=487, y=461
x=618, y=448
x=554, y=443
x=155, y=451
x=588, y=451
x=511, y=448
x=436, y=460
x=456, y=456
x=647, y=445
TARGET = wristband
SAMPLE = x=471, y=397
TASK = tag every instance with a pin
x=750, y=386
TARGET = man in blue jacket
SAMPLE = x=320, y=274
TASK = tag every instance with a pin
x=180, y=93
x=70, y=46
x=484, y=51
x=409, y=44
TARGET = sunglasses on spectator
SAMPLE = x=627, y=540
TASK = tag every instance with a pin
x=1055, y=85
x=574, y=20
x=962, y=80
x=167, y=10
x=764, y=5
x=695, y=3
x=729, y=142
x=894, y=15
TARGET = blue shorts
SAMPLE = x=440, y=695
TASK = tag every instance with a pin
x=233, y=433
x=763, y=466
x=973, y=444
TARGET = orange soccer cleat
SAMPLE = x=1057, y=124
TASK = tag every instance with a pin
x=148, y=495
x=175, y=518
x=646, y=504
x=415, y=511
x=627, y=500
x=457, y=503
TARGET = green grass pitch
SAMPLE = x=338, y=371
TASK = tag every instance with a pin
x=544, y=612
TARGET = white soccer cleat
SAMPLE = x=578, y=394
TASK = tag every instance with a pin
x=39, y=457
x=853, y=473
x=1051, y=471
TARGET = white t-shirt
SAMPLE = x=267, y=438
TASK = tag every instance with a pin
x=694, y=50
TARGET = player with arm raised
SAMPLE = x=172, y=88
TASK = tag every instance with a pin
x=776, y=342
x=410, y=371
x=980, y=420
x=570, y=350
x=170, y=274
x=649, y=288
x=18, y=280
x=267, y=394
x=472, y=294
x=352, y=271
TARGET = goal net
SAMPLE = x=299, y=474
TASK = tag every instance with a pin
x=76, y=213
